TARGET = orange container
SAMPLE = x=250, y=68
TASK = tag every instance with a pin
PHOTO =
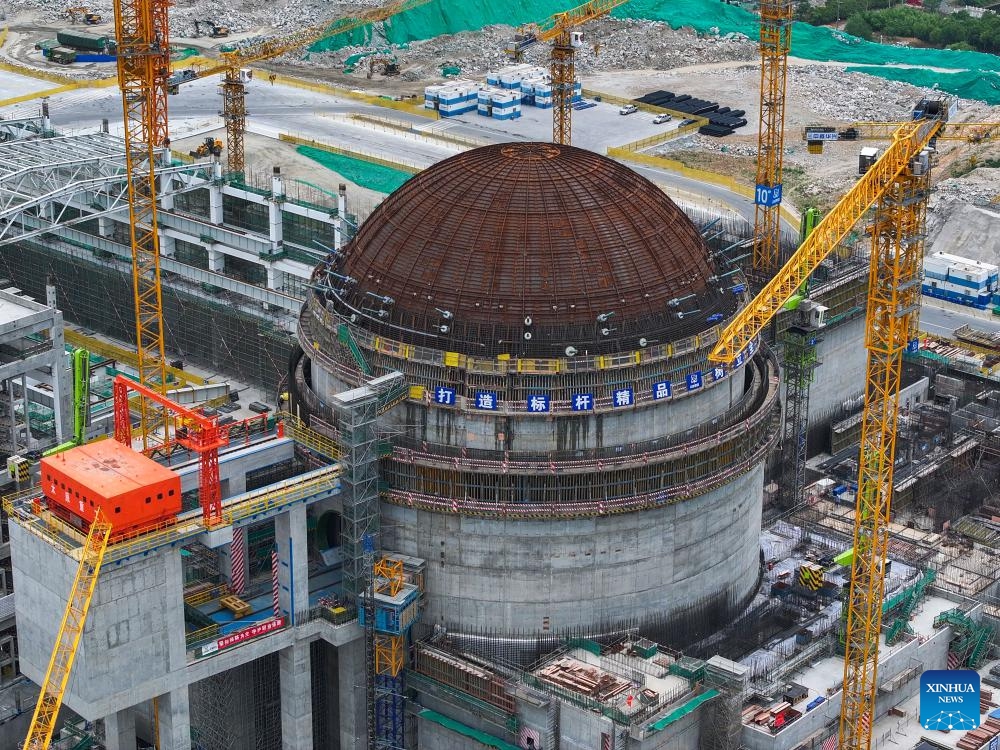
x=134, y=491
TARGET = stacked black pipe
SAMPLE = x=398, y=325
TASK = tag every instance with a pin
x=721, y=120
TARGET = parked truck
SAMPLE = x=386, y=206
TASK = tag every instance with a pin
x=83, y=40
x=62, y=55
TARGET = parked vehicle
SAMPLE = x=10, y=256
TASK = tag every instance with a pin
x=662, y=118
x=62, y=55
x=628, y=109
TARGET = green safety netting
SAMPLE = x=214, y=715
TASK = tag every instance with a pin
x=683, y=710
x=360, y=172
x=488, y=740
x=973, y=75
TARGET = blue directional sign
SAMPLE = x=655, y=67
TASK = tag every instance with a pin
x=765, y=195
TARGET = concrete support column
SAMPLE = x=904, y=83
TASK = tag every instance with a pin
x=351, y=694
x=119, y=730
x=274, y=210
x=216, y=260
x=215, y=204
x=293, y=561
x=61, y=382
x=174, y=713
x=165, y=201
x=296, y=697
x=275, y=278
x=105, y=226
x=168, y=246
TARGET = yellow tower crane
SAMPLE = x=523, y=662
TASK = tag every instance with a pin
x=142, y=35
x=897, y=185
x=559, y=30
x=775, y=42
x=234, y=77
x=68, y=639
x=816, y=136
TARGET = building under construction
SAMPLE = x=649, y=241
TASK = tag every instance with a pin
x=511, y=504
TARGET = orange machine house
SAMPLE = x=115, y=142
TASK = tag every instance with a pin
x=134, y=491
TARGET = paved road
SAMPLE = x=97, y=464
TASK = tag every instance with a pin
x=300, y=111
x=942, y=319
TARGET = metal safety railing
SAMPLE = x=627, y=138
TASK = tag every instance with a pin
x=301, y=433
x=290, y=491
x=206, y=595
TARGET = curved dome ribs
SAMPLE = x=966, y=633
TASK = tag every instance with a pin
x=472, y=247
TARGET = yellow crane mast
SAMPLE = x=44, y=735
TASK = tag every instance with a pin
x=897, y=182
x=559, y=30
x=775, y=42
x=142, y=34
x=68, y=639
x=234, y=111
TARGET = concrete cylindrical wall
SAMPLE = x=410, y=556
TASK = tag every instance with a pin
x=588, y=574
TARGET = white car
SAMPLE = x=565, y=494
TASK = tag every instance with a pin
x=628, y=109
x=662, y=118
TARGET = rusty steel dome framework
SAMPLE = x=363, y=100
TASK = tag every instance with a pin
x=528, y=238
x=567, y=460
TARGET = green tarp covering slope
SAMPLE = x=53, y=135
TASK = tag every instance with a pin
x=360, y=172
x=973, y=75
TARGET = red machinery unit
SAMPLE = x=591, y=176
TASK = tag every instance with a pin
x=133, y=491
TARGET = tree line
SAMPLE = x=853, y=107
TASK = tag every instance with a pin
x=868, y=19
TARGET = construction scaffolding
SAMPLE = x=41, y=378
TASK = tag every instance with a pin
x=799, y=346
x=238, y=709
x=723, y=724
x=209, y=330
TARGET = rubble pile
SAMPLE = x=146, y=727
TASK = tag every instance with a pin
x=833, y=93
x=610, y=44
x=980, y=187
x=239, y=15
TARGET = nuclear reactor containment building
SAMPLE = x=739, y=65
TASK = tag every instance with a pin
x=567, y=461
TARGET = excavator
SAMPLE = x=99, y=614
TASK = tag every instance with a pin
x=83, y=13
x=214, y=30
x=387, y=66
x=209, y=147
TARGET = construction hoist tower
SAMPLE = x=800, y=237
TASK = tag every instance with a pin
x=387, y=607
x=799, y=348
x=775, y=42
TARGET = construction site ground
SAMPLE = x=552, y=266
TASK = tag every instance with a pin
x=624, y=58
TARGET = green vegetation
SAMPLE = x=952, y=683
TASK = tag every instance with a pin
x=836, y=10
x=955, y=31
x=871, y=19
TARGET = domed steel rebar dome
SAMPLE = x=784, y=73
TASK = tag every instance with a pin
x=528, y=248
